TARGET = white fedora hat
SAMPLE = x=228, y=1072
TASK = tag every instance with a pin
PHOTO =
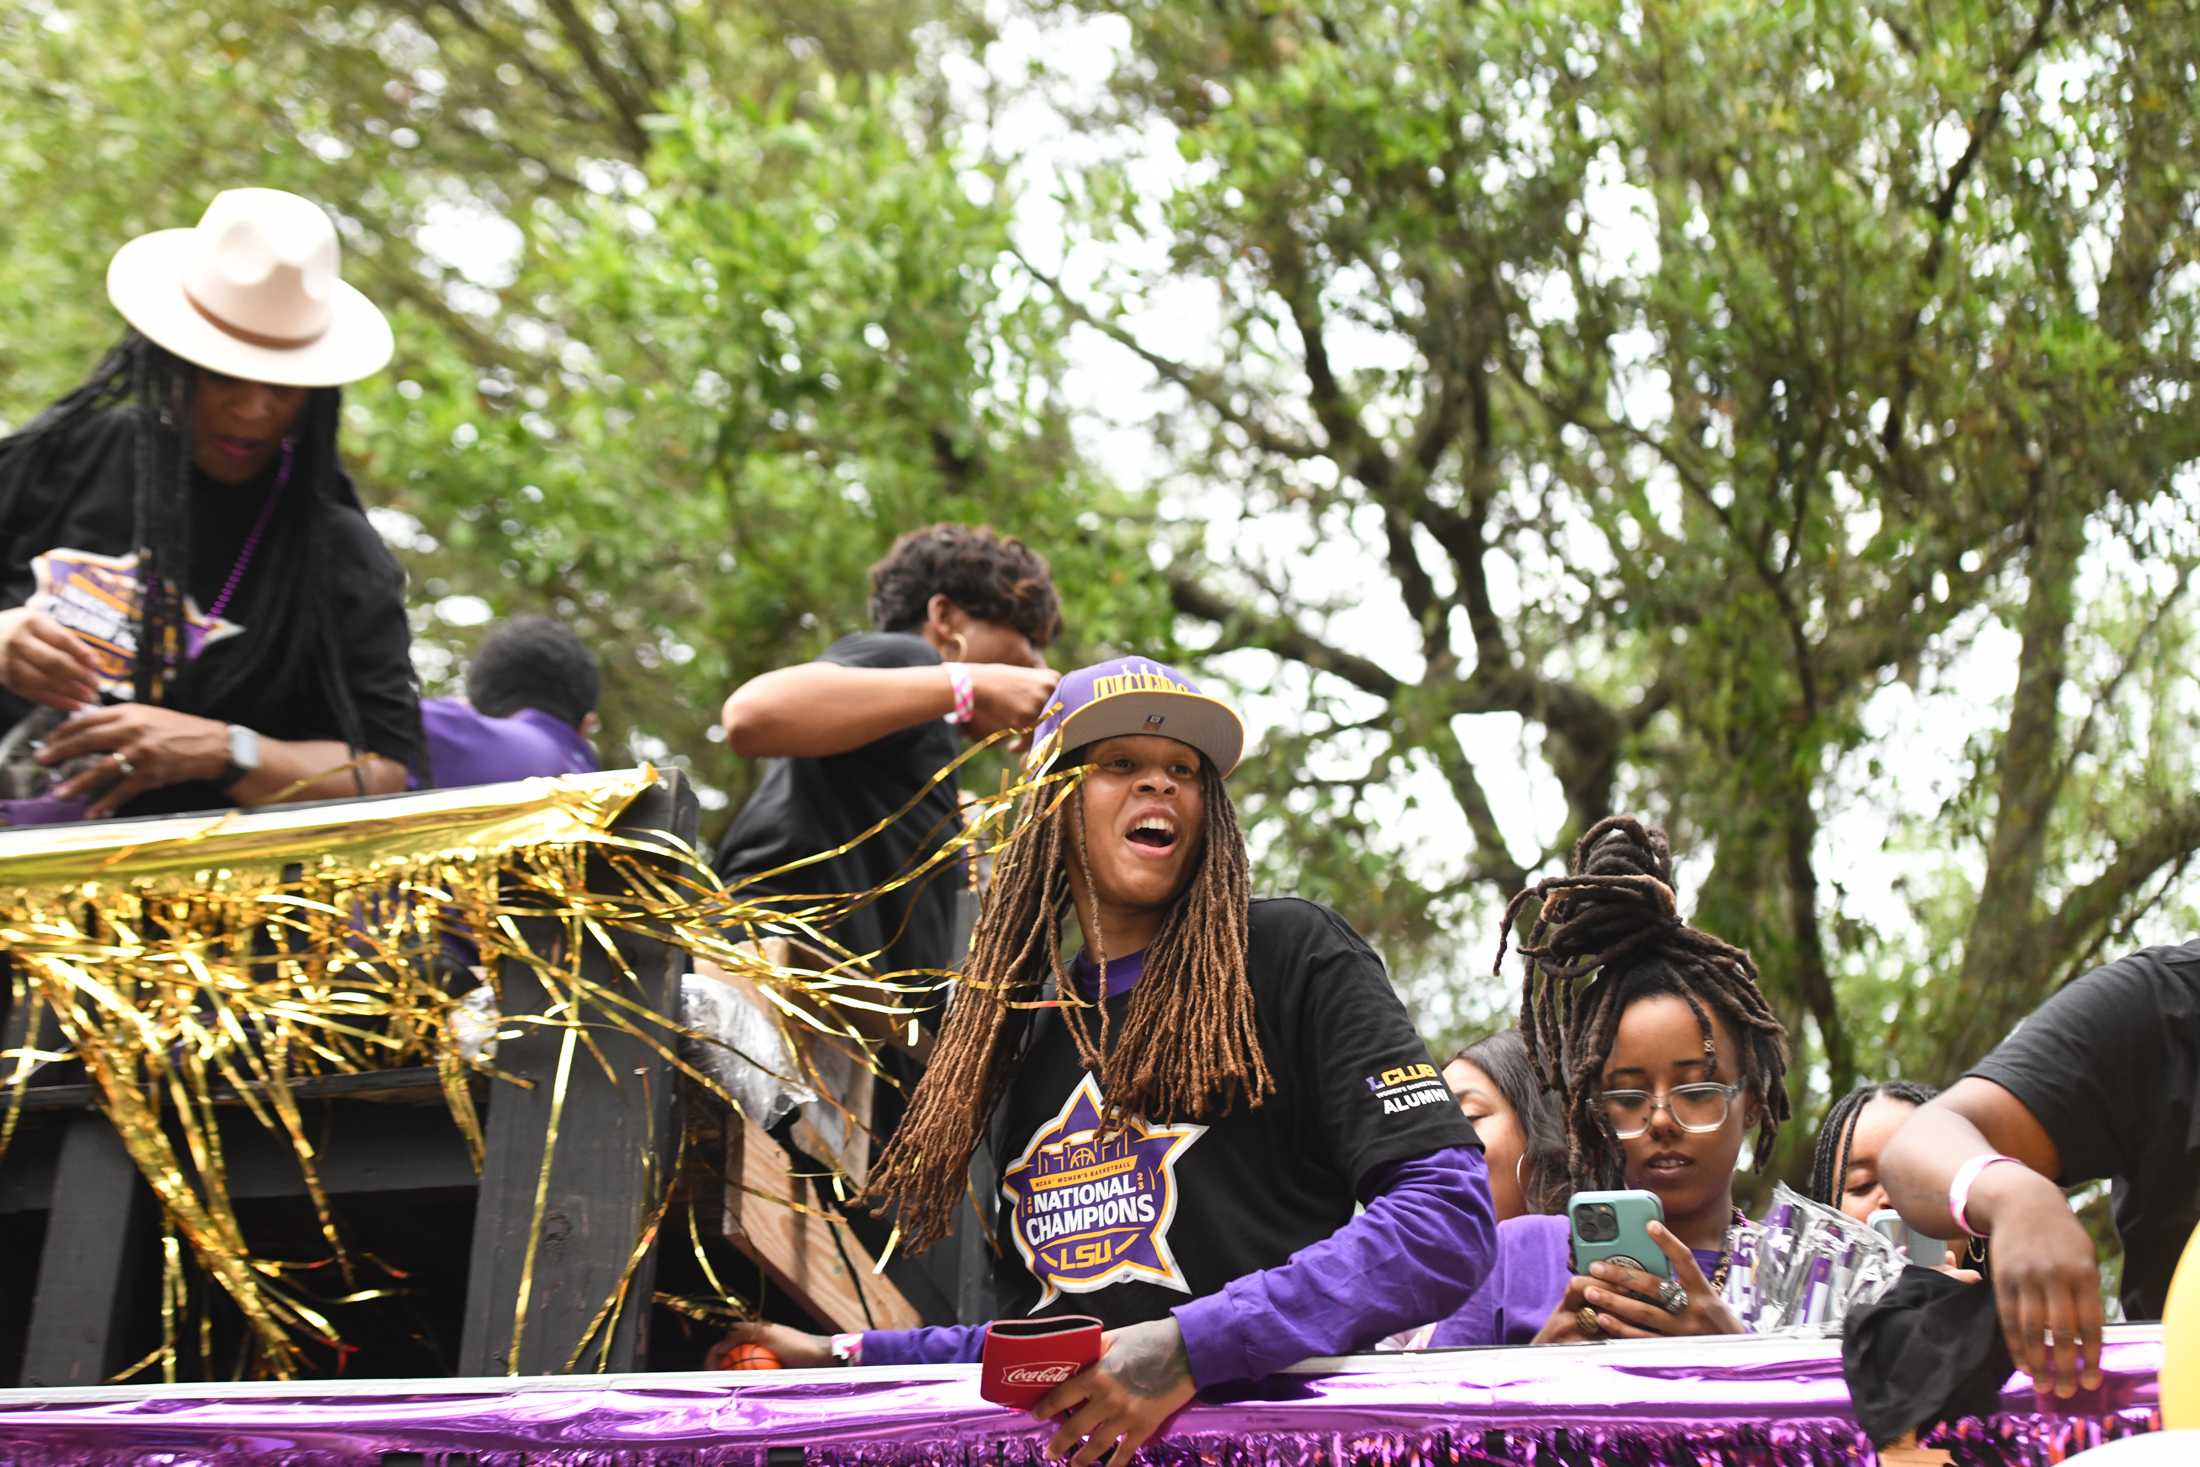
x=252, y=293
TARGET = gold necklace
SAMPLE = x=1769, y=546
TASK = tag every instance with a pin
x=1726, y=1254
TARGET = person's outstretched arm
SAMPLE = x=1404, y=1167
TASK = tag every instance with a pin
x=1423, y=1242
x=940, y=1344
x=2047, y=1284
x=819, y=709
x=1422, y=1245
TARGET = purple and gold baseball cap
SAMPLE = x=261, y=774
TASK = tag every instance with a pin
x=1136, y=695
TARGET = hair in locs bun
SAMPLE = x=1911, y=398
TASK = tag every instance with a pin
x=1608, y=933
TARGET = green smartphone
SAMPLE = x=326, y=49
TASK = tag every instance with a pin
x=1616, y=1226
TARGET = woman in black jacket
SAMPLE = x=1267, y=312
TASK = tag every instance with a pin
x=197, y=612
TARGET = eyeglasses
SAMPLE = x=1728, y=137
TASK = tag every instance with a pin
x=1695, y=1108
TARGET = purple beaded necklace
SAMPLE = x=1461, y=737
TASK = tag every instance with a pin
x=252, y=541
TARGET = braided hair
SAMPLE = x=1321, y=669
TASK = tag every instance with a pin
x=1188, y=1046
x=1614, y=922
x=150, y=390
x=1830, y=1163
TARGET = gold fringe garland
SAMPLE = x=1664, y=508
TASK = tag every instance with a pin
x=195, y=960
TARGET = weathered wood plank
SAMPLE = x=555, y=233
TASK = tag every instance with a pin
x=608, y=1162
x=89, y=1274
x=774, y=1217
x=412, y=1085
x=361, y=1151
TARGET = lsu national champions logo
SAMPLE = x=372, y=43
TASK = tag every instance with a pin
x=1087, y=1209
x=96, y=596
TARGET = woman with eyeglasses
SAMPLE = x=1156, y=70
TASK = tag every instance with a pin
x=1663, y=1054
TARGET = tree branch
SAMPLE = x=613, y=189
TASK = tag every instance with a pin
x=626, y=108
x=1812, y=978
x=2088, y=910
x=2002, y=975
x=1205, y=388
x=1249, y=628
x=1496, y=863
x=1943, y=210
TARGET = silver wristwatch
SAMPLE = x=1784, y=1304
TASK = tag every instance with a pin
x=244, y=756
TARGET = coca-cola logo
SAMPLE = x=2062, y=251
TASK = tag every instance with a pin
x=1044, y=1372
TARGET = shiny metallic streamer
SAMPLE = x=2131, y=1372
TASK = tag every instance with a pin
x=1735, y=1402
x=195, y=963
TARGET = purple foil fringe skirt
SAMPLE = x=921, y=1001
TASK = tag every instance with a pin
x=1718, y=1403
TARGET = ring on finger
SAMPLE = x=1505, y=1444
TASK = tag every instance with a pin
x=1588, y=1319
x=122, y=763
x=1672, y=1298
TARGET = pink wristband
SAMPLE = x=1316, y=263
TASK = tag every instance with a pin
x=1959, y=1190
x=966, y=698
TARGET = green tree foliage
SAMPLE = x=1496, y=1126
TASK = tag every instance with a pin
x=697, y=305
x=1718, y=404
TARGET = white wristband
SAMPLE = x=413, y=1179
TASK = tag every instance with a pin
x=966, y=700
x=1959, y=1190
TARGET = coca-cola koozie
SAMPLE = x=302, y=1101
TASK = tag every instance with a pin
x=1023, y=1359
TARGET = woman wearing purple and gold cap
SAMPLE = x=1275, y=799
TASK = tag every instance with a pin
x=194, y=611
x=1184, y=1131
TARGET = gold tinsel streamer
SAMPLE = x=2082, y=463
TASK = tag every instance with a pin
x=197, y=960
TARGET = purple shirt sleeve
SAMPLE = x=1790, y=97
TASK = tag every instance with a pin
x=1420, y=1247
x=939, y=1344
x=1526, y=1281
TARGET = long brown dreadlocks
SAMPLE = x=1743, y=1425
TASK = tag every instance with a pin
x=1188, y=1048
x=1614, y=920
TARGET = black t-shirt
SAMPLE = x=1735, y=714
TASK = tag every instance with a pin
x=78, y=522
x=1127, y=1226
x=2109, y=1067
x=804, y=806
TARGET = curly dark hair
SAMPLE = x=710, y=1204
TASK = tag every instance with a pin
x=1830, y=1163
x=991, y=576
x=534, y=662
x=1614, y=921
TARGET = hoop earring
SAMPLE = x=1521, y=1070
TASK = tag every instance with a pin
x=962, y=647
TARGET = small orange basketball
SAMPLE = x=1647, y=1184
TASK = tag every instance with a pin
x=751, y=1356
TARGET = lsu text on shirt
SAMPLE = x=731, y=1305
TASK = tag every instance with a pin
x=1126, y=1224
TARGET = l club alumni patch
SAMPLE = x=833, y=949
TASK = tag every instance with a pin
x=1087, y=1209
x=1409, y=1087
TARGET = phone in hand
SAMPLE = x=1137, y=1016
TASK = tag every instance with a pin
x=1615, y=1226
x=1922, y=1249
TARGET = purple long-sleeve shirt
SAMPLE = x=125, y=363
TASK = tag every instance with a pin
x=1525, y=1282
x=467, y=747
x=1420, y=1247
x=1423, y=1242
